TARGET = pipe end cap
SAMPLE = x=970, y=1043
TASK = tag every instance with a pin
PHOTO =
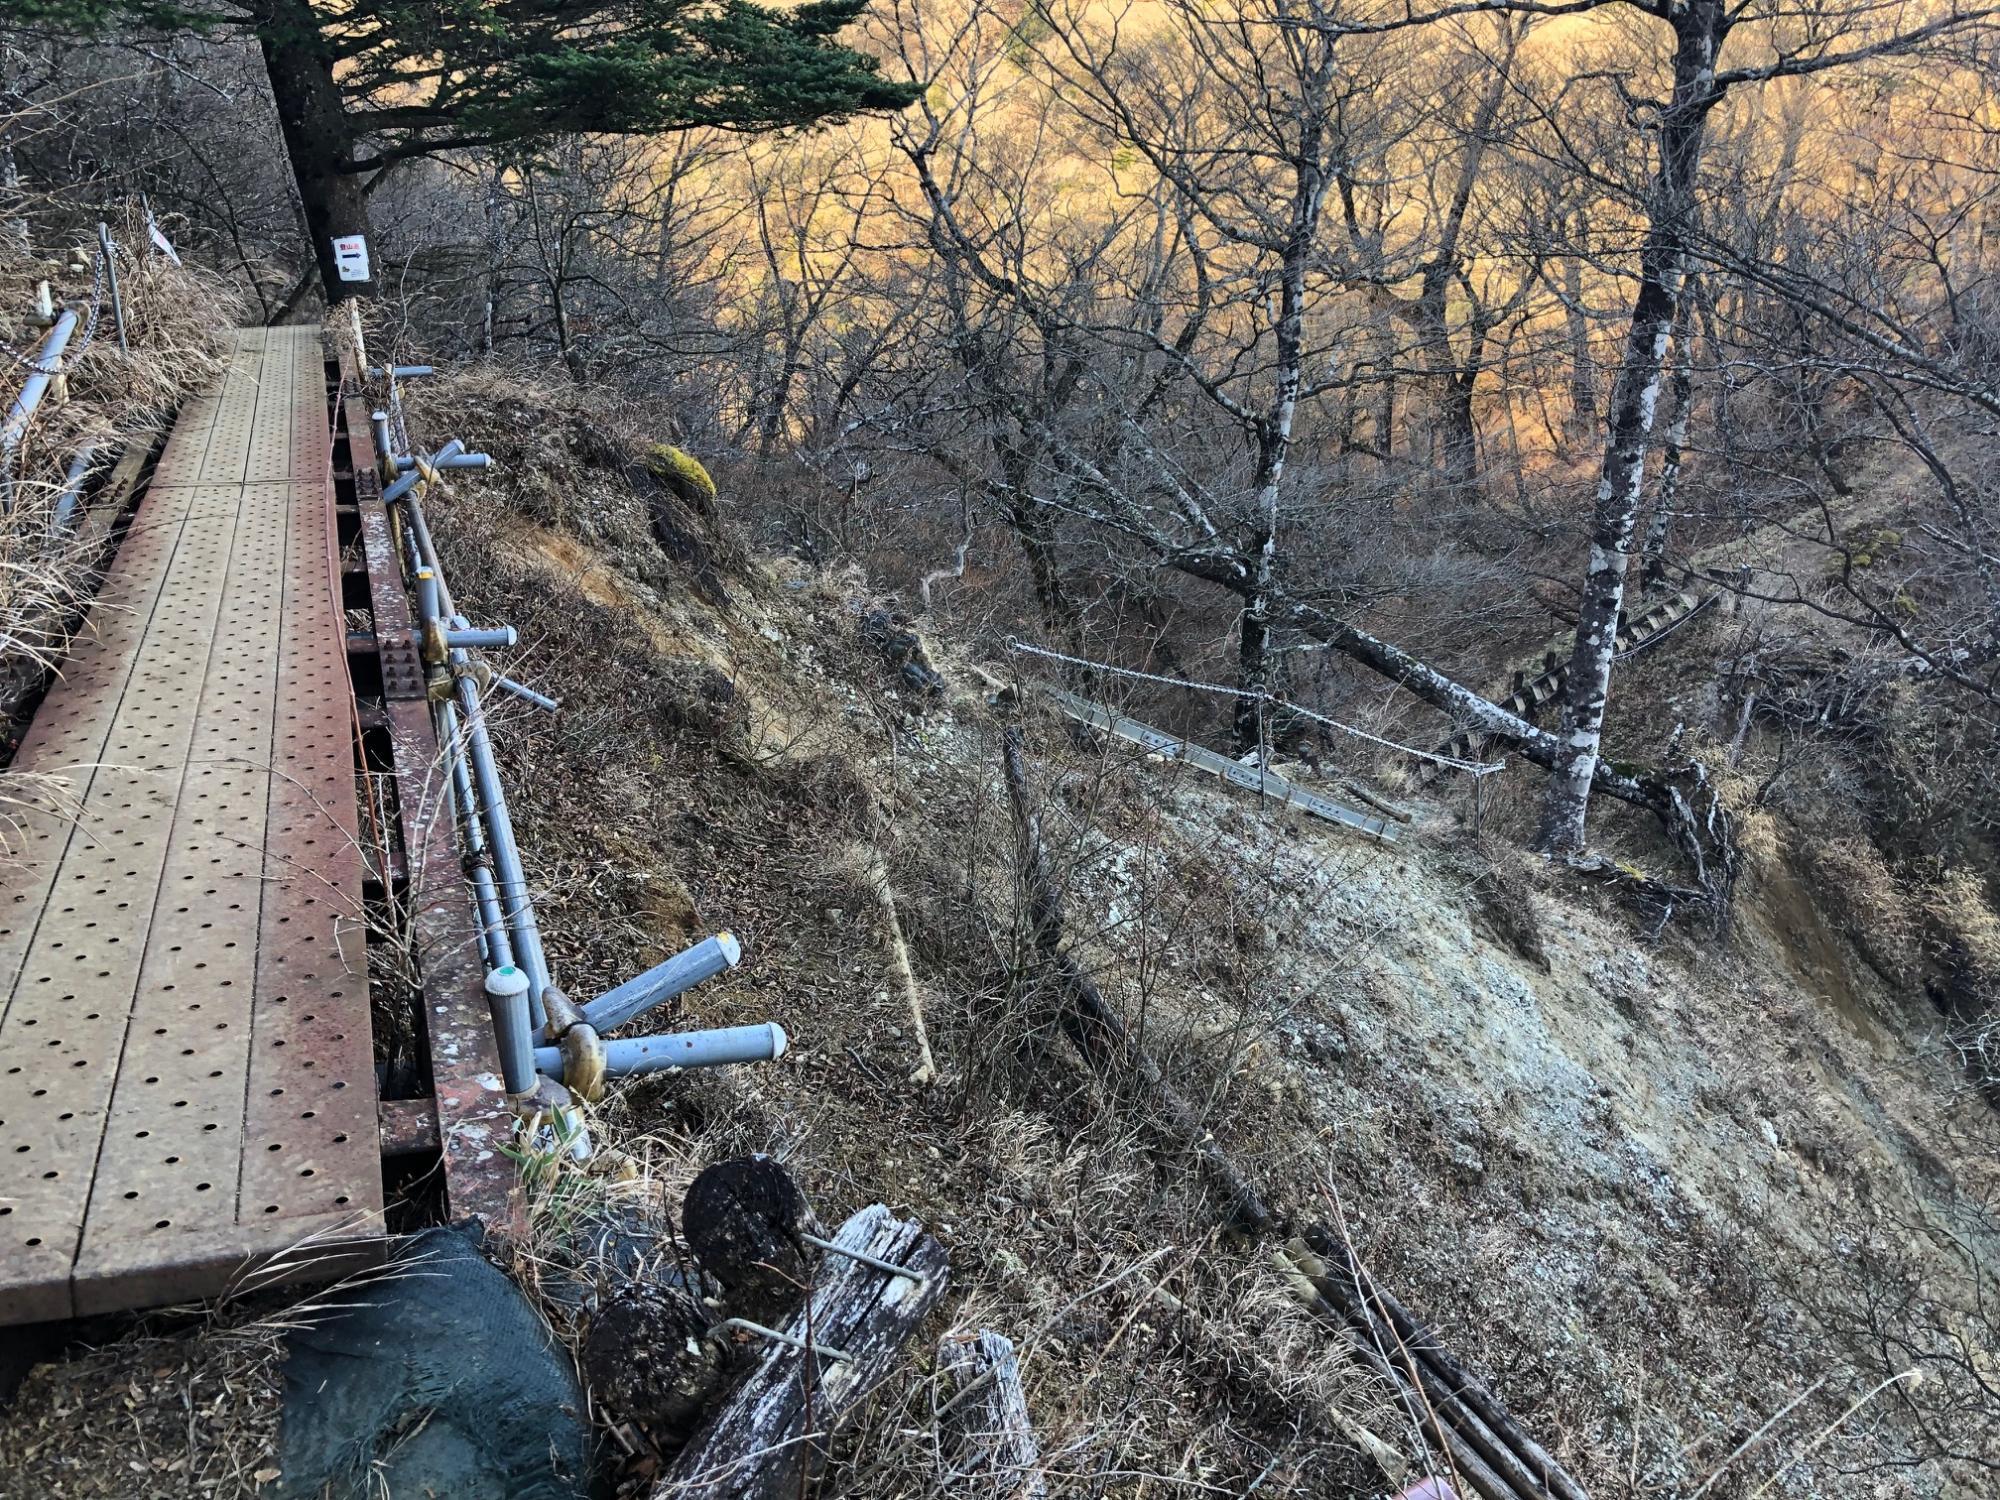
x=506, y=981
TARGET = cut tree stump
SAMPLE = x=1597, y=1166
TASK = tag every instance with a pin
x=743, y=1218
x=771, y=1434
x=648, y=1358
x=989, y=1441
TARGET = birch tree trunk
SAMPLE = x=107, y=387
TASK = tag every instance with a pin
x=496, y=252
x=1274, y=431
x=1666, y=495
x=1698, y=33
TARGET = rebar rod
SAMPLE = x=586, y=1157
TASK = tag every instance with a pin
x=104, y=248
x=663, y=981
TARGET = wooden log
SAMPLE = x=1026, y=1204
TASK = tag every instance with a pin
x=875, y=873
x=1269, y=1391
x=1375, y=799
x=987, y=1436
x=1093, y=1027
x=770, y=1436
x=1358, y=1302
x=1465, y=1460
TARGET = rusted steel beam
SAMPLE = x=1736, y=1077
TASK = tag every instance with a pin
x=409, y=1126
x=472, y=1122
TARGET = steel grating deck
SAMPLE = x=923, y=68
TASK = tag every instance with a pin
x=186, y=1070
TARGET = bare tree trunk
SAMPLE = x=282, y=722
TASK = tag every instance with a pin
x=14, y=228
x=319, y=137
x=1274, y=437
x=1634, y=403
x=1582, y=370
x=1653, y=571
x=495, y=252
x=1455, y=437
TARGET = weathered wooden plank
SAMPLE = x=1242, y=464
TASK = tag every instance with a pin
x=772, y=1432
x=988, y=1436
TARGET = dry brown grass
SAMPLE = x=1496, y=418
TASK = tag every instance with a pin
x=177, y=319
x=182, y=1402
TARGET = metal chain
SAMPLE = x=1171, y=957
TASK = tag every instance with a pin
x=1470, y=767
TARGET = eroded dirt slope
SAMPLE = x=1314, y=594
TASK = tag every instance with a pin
x=1658, y=1185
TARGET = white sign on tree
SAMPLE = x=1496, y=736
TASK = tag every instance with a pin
x=350, y=257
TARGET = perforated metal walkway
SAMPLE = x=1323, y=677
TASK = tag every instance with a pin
x=186, y=1074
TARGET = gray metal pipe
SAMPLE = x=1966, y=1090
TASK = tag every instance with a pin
x=663, y=981
x=378, y=429
x=428, y=601
x=527, y=694
x=424, y=552
x=467, y=639
x=490, y=801
x=511, y=878
x=22, y=411
x=493, y=934
x=64, y=518
x=507, y=998
x=627, y=1057
x=457, y=461
x=401, y=371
